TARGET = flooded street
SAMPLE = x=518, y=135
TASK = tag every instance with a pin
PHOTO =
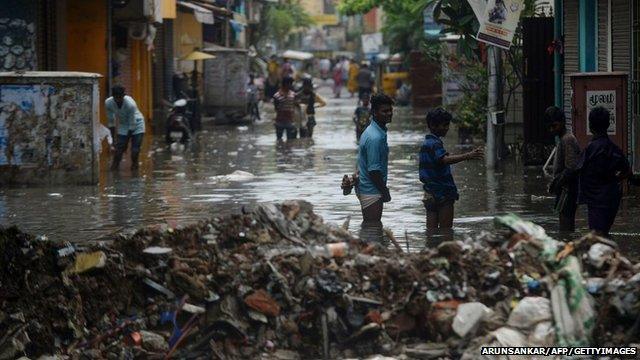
x=178, y=187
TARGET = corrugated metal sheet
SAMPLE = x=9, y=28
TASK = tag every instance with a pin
x=571, y=57
x=621, y=34
x=603, y=36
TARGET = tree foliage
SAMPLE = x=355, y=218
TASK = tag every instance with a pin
x=281, y=19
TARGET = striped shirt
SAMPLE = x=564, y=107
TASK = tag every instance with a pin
x=285, y=105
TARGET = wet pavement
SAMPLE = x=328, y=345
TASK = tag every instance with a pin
x=178, y=186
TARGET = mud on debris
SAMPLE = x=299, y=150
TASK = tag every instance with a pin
x=276, y=282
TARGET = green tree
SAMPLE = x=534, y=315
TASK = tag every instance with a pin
x=403, y=26
x=281, y=19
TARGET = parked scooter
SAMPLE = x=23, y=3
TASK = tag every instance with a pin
x=178, y=129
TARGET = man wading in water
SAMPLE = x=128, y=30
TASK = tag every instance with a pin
x=373, y=160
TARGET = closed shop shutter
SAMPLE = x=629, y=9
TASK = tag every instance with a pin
x=603, y=36
x=621, y=35
x=571, y=57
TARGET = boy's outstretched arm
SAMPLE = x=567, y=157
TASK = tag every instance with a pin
x=475, y=154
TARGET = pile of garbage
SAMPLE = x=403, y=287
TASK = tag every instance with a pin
x=276, y=282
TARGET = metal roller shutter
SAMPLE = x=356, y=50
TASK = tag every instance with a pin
x=571, y=57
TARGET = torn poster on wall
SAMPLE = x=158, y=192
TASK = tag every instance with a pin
x=45, y=126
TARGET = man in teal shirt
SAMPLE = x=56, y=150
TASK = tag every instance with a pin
x=123, y=109
x=373, y=160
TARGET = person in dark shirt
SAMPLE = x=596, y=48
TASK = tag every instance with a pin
x=602, y=168
x=365, y=80
x=565, y=181
x=440, y=191
x=310, y=101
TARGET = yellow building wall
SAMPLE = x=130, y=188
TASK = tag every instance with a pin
x=169, y=9
x=86, y=41
x=313, y=7
x=187, y=35
x=141, y=81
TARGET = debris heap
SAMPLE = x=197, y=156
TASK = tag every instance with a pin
x=276, y=282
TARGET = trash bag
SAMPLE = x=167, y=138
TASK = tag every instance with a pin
x=573, y=308
x=529, y=312
x=468, y=317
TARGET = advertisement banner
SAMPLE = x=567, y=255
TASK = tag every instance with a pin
x=371, y=43
x=478, y=7
x=500, y=21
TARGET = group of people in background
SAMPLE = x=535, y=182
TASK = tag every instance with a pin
x=295, y=108
x=593, y=176
x=295, y=111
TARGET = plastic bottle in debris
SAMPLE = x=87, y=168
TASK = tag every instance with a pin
x=333, y=250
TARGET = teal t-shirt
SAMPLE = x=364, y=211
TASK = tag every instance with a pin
x=373, y=154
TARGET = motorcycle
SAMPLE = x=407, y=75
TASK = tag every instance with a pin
x=178, y=128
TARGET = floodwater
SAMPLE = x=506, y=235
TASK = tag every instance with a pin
x=181, y=186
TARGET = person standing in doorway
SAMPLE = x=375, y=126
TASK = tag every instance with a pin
x=125, y=120
x=565, y=181
x=285, y=105
x=365, y=80
x=373, y=160
x=440, y=191
x=602, y=168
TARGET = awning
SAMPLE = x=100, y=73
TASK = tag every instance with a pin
x=217, y=48
x=203, y=15
x=297, y=55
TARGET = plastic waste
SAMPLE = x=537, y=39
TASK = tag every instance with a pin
x=530, y=311
x=599, y=254
x=67, y=250
x=595, y=284
x=157, y=250
x=153, y=342
x=88, y=261
x=572, y=306
x=508, y=337
x=543, y=334
x=468, y=317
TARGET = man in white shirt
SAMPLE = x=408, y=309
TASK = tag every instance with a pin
x=123, y=114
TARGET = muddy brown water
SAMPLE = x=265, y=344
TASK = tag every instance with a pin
x=181, y=186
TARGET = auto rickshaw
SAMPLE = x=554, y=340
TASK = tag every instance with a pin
x=393, y=73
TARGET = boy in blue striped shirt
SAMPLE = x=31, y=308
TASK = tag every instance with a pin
x=435, y=171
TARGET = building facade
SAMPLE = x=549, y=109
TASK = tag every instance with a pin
x=601, y=36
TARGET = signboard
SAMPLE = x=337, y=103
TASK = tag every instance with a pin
x=371, y=43
x=478, y=7
x=325, y=19
x=606, y=99
x=499, y=22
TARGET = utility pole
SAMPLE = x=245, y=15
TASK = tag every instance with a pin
x=494, y=104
